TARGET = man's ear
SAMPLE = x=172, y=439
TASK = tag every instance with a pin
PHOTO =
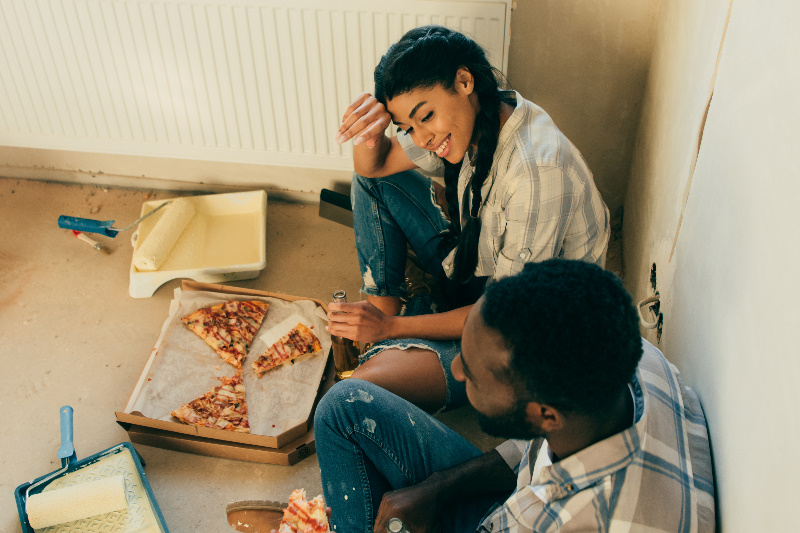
x=544, y=417
x=464, y=83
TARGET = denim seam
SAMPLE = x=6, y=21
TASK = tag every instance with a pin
x=382, y=244
x=365, y=487
x=379, y=443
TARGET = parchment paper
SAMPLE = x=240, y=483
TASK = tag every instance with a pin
x=185, y=366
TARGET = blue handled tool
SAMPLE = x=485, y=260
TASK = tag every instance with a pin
x=84, y=475
x=105, y=227
x=66, y=452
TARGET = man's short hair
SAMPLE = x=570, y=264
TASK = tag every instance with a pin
x=572, y=331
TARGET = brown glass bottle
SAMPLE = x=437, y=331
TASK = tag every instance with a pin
x=345, y=351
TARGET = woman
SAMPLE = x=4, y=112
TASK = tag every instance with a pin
x=516, y=191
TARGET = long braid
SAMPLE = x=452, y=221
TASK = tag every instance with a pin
x=487, y=124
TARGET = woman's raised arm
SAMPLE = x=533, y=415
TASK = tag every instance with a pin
x=375, y=155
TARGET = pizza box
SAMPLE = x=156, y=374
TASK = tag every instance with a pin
x=225, y=241
x=287, y=447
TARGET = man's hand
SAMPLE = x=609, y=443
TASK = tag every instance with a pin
x=359, y=321
x=365, y=120
x=417, y=506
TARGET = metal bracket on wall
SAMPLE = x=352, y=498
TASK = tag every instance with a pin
x=648, y=302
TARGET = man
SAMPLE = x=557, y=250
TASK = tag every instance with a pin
x=612, y=439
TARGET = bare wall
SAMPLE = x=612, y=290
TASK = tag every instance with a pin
x=728, y=293
x=586, y=63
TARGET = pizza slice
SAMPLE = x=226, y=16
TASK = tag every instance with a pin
x=229, y=328
x=299, y=341
x=224, y=407
x=303, y=516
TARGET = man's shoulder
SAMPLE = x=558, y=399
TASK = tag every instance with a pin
x=676, y=458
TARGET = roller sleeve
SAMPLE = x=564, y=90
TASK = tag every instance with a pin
x=76, y=502
x=157, y=245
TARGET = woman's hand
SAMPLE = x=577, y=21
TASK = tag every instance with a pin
x=414, y=505
x=359, y=321
x=365, y=120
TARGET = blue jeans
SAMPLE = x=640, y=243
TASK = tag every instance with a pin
x=389, y=214
x=370, y=441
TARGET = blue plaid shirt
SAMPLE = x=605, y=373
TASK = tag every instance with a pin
x=654, y=476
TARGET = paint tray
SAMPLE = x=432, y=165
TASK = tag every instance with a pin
x=142, y=515
x=226, y=240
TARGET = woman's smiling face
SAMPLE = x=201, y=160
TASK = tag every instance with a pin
x=439, y=119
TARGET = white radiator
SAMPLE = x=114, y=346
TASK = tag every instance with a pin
x=247, y=81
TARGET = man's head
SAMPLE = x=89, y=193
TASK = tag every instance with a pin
x=560, y=337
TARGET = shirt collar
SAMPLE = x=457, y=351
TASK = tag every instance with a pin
x=590, y=465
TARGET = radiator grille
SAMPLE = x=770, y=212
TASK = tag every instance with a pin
x=246, y=81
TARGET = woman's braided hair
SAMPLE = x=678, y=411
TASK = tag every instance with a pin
x=424, y=58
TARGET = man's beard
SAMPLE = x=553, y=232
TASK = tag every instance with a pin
x=510, y=425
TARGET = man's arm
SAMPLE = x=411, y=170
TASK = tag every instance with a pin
x=419, y=506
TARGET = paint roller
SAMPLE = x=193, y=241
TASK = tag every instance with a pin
x=156, y=247
x=159, y=242
x=75, y=502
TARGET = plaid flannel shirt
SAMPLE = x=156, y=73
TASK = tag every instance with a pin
x=539, y=201
x=655, y=476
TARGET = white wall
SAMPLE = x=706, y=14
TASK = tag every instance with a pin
x=729, y=295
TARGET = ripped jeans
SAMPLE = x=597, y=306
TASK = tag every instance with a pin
x=370, y=441
x=388, y=215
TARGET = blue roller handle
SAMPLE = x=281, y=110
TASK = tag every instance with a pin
x=87, y=225
x=67, y=449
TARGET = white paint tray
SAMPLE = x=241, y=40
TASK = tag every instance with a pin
x=226, y=240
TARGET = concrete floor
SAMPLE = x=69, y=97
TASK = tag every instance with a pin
x=71, y=335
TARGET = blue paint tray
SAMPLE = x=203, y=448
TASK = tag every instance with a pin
x=142, y=514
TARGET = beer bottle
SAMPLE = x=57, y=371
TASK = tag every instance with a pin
x=345, y=351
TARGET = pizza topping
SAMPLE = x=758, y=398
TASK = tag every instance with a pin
x=299, y=341
x=224, y=407
x=229, y=328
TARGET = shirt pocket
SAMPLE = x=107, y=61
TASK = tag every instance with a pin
x=494, y=230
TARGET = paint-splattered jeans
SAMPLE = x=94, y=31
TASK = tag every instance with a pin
x=389, y=214
x=370, y=441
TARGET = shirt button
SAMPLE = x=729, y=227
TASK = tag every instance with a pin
x=569, y=487
x=523, y=255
